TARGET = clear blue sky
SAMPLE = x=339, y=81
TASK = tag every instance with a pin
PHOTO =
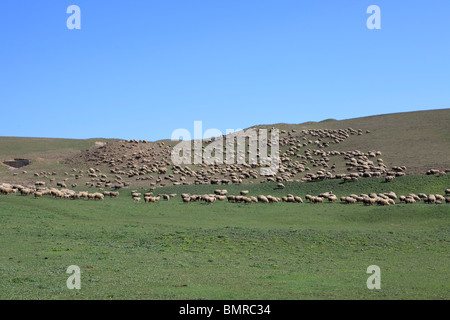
x=143, y=68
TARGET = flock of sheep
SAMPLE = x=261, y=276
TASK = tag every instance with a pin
x=303, y=158
x=218, y=195
x=390, y=198
x=63, y=193
x=221, y=195
x=384, y=199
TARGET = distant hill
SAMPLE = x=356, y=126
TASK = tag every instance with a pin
x=418, y=141
x=11, y=147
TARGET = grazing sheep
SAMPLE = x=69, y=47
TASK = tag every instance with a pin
x=244, y=192
x=6, y=191
x=26, y=192
x=247, y=200
x=82, y=194
x=98, y=196
x=369, y=201
x=61, y=184
x=409, y=200
x=272, y=199
x=262, y=199
x=332, y=198
x=415, y=197
x=430, y=199
x=186, y=199
x=383, y=196
x=383, y=202
x=392, y=195
x=210, y=199
x=316, y=200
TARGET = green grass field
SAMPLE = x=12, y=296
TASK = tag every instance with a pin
x=172, y=250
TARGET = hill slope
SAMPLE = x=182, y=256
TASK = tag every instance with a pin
x=309, y=151
x=419, y=140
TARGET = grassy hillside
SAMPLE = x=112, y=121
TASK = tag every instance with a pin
x=44, y=153
x=171, y=250
x=419, y=140
x=18, y=147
